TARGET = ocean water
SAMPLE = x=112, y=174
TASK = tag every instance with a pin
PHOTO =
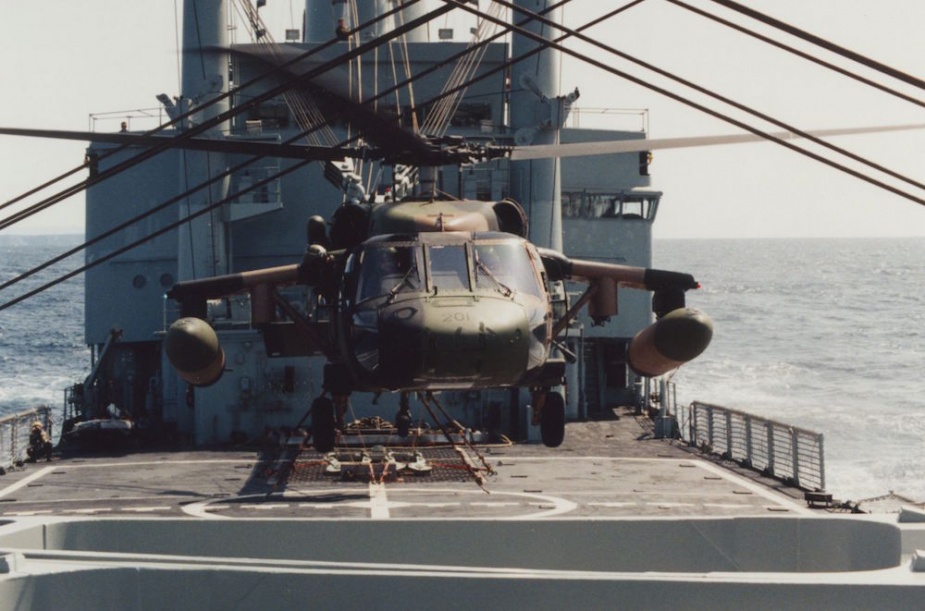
x=42, y=349
x=827, y=335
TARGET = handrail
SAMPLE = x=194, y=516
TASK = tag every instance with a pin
x=785, y=452
x=633, y=119
x=14, y=433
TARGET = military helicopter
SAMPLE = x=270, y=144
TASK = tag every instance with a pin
x=424, y=295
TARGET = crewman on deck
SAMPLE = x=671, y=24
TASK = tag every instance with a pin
x=39, y=443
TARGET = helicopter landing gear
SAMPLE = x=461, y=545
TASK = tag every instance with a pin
x=549, y=413
x=403, y=416
x=324, y=429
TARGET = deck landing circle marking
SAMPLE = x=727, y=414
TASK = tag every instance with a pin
x=552, y=505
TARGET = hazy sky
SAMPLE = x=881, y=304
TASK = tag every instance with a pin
x=62, y=60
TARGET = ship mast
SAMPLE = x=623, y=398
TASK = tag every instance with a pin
x=537, y=114
x=202, y=243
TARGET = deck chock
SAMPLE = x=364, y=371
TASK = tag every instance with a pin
x=918, y=561
x=908, y=513
x=817, y=499
x=11, y=562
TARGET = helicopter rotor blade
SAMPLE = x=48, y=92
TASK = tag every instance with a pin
x=248, y=147
x=516, y=153
x=608, y=147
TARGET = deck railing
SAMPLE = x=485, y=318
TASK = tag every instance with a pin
x=14, y=433
x=779, y=450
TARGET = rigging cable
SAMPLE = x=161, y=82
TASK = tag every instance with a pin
x=383, y=94
x=811, y=58
x=156, y=233
x=305, y=111
x=715, y=114
x=219, y=176
x=261, y=183
x=188, y=134
x=217, y=120
x=439, y=116
x=825, y=44
x=719, y=115
x=211, y=207
x=423, y=73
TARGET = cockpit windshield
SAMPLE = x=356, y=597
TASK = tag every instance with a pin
x=498, y=265
x=449, y=267
x=388, y=269
x=504, y=266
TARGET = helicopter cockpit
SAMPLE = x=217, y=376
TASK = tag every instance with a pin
x=465, y=263
x=445, y=309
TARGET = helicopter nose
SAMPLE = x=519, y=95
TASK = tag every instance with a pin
x=453, y=343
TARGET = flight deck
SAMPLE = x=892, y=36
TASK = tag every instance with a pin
x=627, y=521
x=604, y=469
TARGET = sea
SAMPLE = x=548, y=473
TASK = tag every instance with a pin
x=823, y=334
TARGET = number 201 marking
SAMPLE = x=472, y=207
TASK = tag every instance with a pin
x=456, y=317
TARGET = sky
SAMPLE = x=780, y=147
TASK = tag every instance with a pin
x=63, y=61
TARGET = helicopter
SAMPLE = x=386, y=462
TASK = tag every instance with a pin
x=412, y=293
x=425, y=295
x=418, y=294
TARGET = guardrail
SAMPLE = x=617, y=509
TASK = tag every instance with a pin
x=14, y=433
x=782, y=451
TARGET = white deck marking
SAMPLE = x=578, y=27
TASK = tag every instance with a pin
x=613, y=504
x=26, y=481
x=493, y=504
x=664, y=505
x=158, y=463
x=146, y=509
x=380, y=507
x=378, y=502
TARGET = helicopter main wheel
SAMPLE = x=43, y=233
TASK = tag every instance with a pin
x=403, y=423
x=552, y=420
x=324, y=431
x=403, y=417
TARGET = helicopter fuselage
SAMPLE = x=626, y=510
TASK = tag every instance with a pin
x=443, y=310
x=432, y=295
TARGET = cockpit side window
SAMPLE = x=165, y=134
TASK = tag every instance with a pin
x=449, y=268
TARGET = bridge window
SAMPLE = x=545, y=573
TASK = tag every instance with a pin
x=624, y=205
